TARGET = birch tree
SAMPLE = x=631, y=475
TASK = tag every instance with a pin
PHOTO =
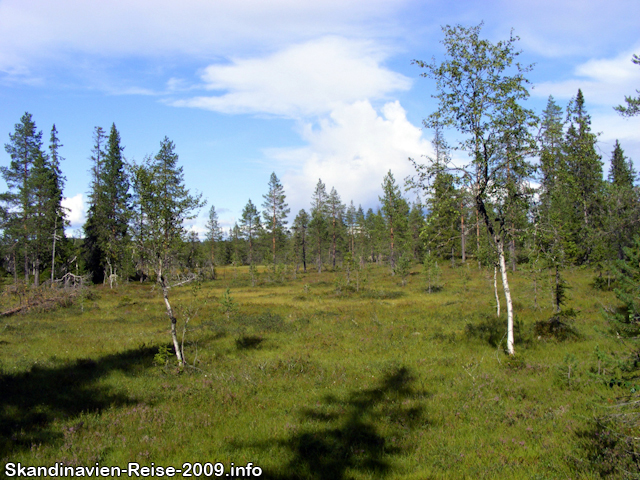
x=167, y=203
x=479, y=89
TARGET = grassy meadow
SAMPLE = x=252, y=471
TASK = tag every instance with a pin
x=315, y=378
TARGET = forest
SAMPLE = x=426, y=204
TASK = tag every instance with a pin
x=515, y=267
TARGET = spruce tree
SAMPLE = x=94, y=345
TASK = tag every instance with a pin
x=622, y=204
x=110, y=210
x=396, y=211
x=633, y=104
x=57, y=211
x=582, y=182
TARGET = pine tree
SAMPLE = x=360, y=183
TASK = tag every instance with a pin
x=25, y=149
x=250, y=226
x=213, y=237
x=336, y=211
x=551, y=232
x=318, y=225
x=300, y=227
x=275, y=213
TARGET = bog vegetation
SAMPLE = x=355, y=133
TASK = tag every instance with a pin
x=487, y=330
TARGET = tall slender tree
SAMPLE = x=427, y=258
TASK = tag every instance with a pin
x=110, y=211
x=300, y=226
x=318, y=225
x=25, y=149
x=213, y=237
x=275, y=213
x=250, y=226
x=582, y=181
x=396, y=211
x=480, y=86
x=336, y=210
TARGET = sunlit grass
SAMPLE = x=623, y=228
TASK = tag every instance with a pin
x=309, y=378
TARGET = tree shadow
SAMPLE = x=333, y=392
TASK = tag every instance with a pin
x=360, y=433
x=31, y=401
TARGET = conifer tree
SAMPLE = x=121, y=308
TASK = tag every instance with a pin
x=214, y=237
x=110, y=211
x=57, y=211
x=25, y=149
x=395, y=210
x=622, y=207
x=300, y=227
x=318, y=225
x=633, y=104
x=250, y=226
x=275, y=213
x=582, y=182
x=336, y=211
x=416, y=223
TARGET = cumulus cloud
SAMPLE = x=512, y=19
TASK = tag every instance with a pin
x=351, y=150
x=304, y=79
x=76, y=211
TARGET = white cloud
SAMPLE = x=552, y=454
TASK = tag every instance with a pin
x=76, y=211
x=603, y=81
x=352, y=150
x=305, y=79
x=553, y=28
x=42, y=31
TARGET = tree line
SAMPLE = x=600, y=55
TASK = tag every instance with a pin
x=532, y=195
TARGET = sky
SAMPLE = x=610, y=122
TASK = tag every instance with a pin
x=306, y=89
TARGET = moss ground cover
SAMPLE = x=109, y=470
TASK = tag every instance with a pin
x=313, y=378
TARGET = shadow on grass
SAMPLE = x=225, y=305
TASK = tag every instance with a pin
x=247, y=342
x=360, y=433
x=31, y=401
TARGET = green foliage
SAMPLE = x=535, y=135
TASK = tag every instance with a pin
x=559, y=326
x=372, y=377
x=106, y=227
x=633, y=104
x=275, y=213
x=431, y=272
x=227, y=305
x=161, y=358
x=625, y=321
x=403, y=267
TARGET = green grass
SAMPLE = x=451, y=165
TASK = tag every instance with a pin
x=312, y=379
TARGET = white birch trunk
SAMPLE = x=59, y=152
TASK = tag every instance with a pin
x=507, y=295
x=495, y=289
x=174, y=335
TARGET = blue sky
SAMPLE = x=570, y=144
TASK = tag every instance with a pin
x=308, y=89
